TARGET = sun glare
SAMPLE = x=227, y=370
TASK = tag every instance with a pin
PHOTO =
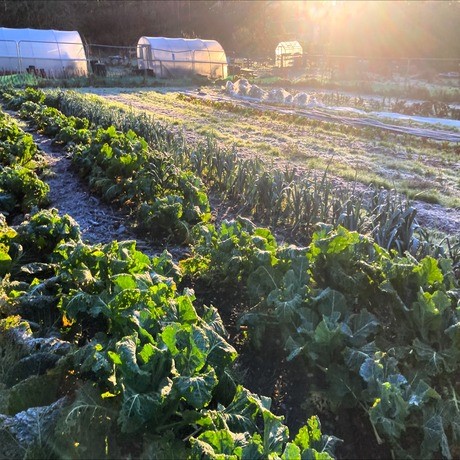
x=355, y=27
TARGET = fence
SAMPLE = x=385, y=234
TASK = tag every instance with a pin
x=352, y=67
x=70, y=59
x=343, y=69
x=61, y=60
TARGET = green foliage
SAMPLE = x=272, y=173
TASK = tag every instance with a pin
x=380, y=328
x=86, y=427
x=164, y=369
x=16, y=147
x=15, y=98
x=45, y=230
x=151, y=370
x=278, y=199
x=159, y=369
x=272, y=443
x=21, y=190
x=232, y=252
x=121, y=168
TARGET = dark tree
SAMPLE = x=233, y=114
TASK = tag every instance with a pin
x=369, y=29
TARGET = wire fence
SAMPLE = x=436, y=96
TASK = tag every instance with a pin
x=63, y=60
x=330, y=67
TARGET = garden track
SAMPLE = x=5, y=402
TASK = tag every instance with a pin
x=320, y=115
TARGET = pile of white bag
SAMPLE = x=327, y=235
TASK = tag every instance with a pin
x=243, y=89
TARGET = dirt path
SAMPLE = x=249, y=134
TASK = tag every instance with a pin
x=98, y=221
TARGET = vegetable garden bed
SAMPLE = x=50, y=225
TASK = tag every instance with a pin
x=370, y=335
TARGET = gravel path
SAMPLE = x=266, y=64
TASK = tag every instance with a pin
x=98, y=221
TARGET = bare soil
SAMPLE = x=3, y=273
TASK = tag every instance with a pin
x=99, y=222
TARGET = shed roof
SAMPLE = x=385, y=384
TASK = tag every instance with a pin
x=289, y=47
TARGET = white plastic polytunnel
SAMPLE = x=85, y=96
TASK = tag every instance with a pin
x=172, y=57
x=50, y=53
x=285, y=53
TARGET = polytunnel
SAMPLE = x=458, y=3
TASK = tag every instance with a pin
x=172, y=57
x=286, y=52
x=50, y=53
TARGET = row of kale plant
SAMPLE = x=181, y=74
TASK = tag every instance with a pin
x=102, y=357
x=20, y=187
x=372, y=331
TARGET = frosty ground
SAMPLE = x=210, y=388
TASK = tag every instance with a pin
x=425, y=170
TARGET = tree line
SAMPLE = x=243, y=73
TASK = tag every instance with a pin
x=387, y=29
